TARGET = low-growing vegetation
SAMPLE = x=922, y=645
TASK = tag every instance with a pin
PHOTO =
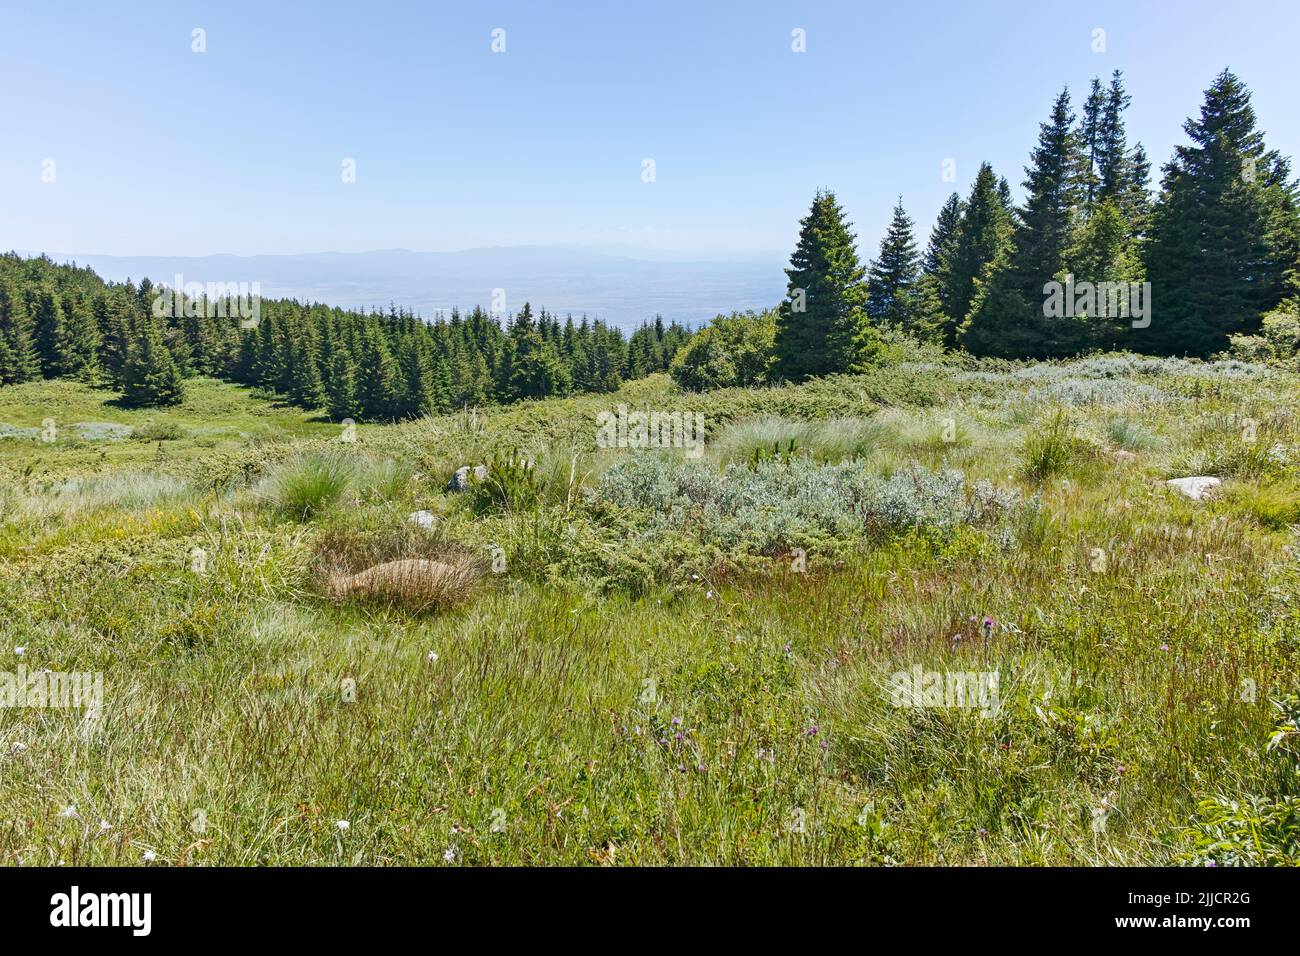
x=611, y=656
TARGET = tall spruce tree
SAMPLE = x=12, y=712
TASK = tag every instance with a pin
x=1007, y=317
x=1224, y=229
x=892, y=295
x=983, y=235
x=822, y=325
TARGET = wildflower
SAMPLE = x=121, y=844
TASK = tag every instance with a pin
x=433, y=657
x=708, y=594
x=68, y=813
x=700, y=768
x=1121, y=770
x=825, y=745
x=681, y=768
x=150, y=856
x=989, y=624
x=811, y=731
x=449, y=854
x=677, y=737
x=1164, y=647
x=343, y=826
x=983, y=832
x=19, y=748
x=676, y=721
x=19, y=651
x=105, y=826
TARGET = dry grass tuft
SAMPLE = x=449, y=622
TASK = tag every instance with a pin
x=417, y=584
x=404, y=568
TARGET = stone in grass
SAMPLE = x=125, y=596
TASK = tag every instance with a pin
x=425, y=519
x=460, y=480
x=1196, y=487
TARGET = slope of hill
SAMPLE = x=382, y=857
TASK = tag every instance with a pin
x=656, y=658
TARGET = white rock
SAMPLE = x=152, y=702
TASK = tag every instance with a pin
x=1195, y=487
x=425, y=519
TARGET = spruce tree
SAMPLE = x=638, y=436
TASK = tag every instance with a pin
x=150, y=376
x=1223, y=230
x=982, y=236
x=19, y=361
x=1007, y=317
x=892, y=297
x=822, y=325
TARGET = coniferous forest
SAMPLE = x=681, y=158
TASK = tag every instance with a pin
x=1219, y=245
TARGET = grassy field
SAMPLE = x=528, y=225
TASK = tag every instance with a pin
x=660, y=660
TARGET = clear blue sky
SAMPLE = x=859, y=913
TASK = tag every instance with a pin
x=160, y=150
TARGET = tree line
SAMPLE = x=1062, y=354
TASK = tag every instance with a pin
x=1219, y=245
x=63, y=320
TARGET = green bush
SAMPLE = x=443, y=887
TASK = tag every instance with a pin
x=733, y=350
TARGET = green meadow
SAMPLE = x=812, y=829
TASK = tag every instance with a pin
x=639, y=655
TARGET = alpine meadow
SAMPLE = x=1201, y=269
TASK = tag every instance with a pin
x=977, y=547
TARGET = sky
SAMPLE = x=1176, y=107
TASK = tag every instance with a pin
x=160, y=150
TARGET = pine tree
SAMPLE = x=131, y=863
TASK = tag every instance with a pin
x=150, y=376
x=1007, y=317
x=19, y=361
x=982, y=236
x=892, y=296
x=1223, y=231
x=822, y=325
x=341, y=384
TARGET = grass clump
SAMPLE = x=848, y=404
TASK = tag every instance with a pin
x=830, y=440
x=1051, y=448
x=308, y=484
x=1129, y=435
x=405, y=566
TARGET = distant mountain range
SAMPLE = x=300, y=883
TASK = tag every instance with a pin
x=622, y=286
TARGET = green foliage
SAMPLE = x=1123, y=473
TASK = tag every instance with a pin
x=308, y=484
x=822, y=325
x=734, y=350
x=893, y=297
x=150, y=376
x=1050, y=449
x=512, y=485
x=1226, y=230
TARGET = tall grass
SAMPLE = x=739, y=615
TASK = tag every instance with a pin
x=308, y=484
x=830, y=440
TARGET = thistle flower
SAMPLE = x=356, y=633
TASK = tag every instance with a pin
x=343, y=826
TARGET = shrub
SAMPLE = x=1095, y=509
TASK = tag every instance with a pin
x=154, y=430
x=733, y=350
x=1129, y=435
x=775, y=503
x=511, y=486
x=1278, y=341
